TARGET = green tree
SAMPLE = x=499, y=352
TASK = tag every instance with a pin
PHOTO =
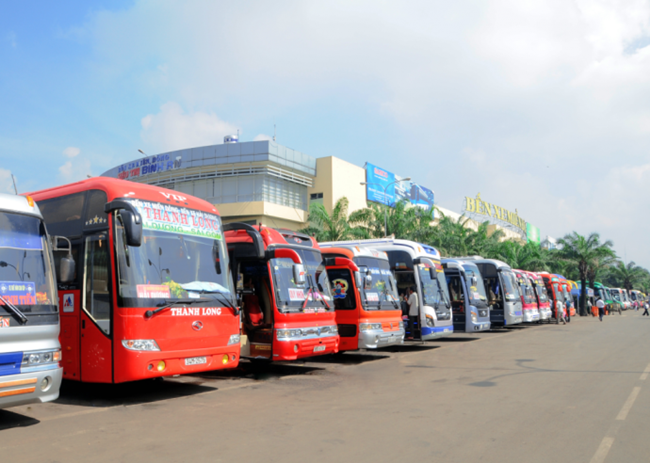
x=623, y=275
x=588, y=254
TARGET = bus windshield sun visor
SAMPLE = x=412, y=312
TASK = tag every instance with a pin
x=131, y=219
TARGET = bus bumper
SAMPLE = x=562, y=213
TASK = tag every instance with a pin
x=531, y=316
x=429, y=333
x=293, y=349
x=372, y=339
x=29, y=388
x=480, y=326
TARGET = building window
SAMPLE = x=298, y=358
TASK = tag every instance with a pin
x=316, y=198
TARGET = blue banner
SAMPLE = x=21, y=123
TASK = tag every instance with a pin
x=18, y=292
x=380, y=186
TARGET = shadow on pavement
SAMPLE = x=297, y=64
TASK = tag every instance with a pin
x=259, y=371
x=453, y=339
x=347, y=358
x=10, y=420
x=138, y=392
x=411, y=347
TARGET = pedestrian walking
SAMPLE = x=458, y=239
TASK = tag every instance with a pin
x=645, y=309
x=568, y=311
x=560, y=313
x=601, y=308
x=413, y=310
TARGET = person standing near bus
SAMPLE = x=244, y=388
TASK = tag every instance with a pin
x=645, y=309
x=413, y=310
x=601, y=308
x=560, y=313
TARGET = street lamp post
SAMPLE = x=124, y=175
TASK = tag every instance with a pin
x=386, y=194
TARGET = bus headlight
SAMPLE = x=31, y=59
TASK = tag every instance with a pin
x=474, y=317
x=41, y=358
x=288, y=334
x=369, y=326
x=430, y=323
x=140, y=344
x=234, y=339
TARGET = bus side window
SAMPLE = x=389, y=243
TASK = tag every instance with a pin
x=96, y=299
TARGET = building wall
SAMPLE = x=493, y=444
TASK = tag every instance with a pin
x=335, y=179
x=270, y=214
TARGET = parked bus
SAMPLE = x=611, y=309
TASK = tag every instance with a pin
x=368, y=312
x=541, y=294
x=502, y=290
x=617, y=298
x=286, y=300
x=417, y=265
x=30, y=353
x=468, y=299
x=636, y=298
x=530, y=309
x=603, y=292
x=153, y=294
x=554, y=291
x=627, y=302
x=565, y=286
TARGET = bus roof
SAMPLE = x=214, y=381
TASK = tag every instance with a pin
x=19, y=204
x=480, y=260
x=352, y=251
x=272, y=236
x=386, y=244
x=115, y=188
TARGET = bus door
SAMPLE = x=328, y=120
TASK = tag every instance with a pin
x=346, y=304
x=257, y=309
x=96, y=314
x=458, y=295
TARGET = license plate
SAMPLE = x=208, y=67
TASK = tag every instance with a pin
x=319, y=348
x=196, y=361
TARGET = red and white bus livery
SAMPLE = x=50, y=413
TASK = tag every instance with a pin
x=153, y=293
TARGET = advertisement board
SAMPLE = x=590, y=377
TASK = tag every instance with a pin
x=384, y=187
x=532, y=232
x=380, y=185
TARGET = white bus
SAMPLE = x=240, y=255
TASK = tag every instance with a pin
x=30, y=353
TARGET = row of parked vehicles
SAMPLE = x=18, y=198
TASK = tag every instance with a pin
x=109, y=281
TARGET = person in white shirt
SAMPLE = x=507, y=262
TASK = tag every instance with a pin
x=601, y=308
x=560, y=313
x=413, y=310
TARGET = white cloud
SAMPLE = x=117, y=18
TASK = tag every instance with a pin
x=551, y=96
x=75, y=170
x=261, y=137
x=6, y=182
x=172, y=129
x=71, y=152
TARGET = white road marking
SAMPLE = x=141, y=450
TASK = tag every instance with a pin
x=628, y=404
x=603, y=450
x=645, y=373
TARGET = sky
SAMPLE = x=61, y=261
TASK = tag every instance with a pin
x=539, y=106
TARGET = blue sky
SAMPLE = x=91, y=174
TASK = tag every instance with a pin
x=541, y=106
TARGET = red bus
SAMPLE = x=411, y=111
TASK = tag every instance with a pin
x=288, y=312
x=368, y=311
x=153, y=293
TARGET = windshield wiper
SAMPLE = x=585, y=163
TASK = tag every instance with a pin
x=313, y=292
x=168, y=305
x=221, y=297
x=15, y=310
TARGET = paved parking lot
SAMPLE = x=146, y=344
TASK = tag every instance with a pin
x=536, y=394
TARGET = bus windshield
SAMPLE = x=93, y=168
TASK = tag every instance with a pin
x=182, y=261
x=290, y=296
x=541, y=291
x=616, y=295
x=383, y=294
x=26, y=281
x=477, y=293
x=509, y=285
x=434, y=286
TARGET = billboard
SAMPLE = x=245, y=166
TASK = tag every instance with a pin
x=387, y=188
x=532, y=232
x=380, y=185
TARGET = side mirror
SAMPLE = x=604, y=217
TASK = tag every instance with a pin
x=67, y=269
x=474, y=281
x=367, y=281
x=432, y=274
x=132, y=228
x=299, y=274
x=216, y=257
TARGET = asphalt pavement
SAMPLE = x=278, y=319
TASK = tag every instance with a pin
x=540, y=393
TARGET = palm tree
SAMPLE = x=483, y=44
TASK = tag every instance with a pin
x=625, y=276
x=528, y=256
x=332, y=227
x=588, y=255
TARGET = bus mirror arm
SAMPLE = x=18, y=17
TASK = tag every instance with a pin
x=131, y=219
x=254, y=234
x=67, y=266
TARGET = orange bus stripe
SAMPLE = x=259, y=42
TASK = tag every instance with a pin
x=18, y=382
x=26, y=390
